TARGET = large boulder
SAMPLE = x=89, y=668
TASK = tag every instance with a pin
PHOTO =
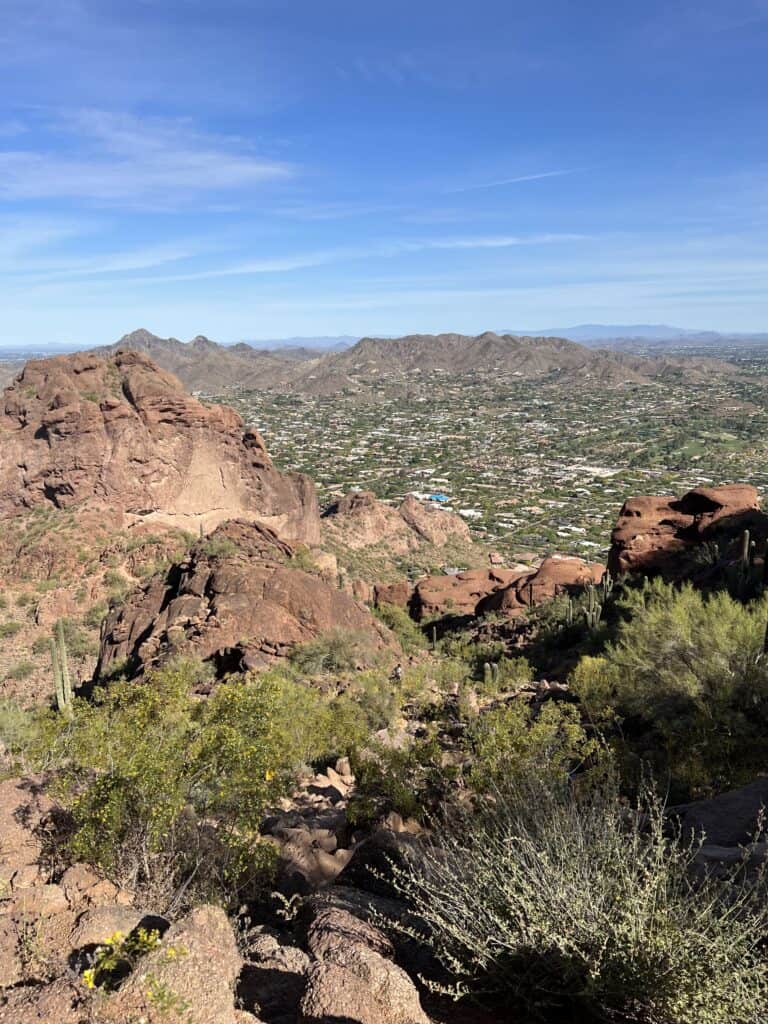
x=730, y=819
x=651, y=533
x=352, y=978
x=457, y=594
x=235, y=602
x=120, y=434
x=190, y=977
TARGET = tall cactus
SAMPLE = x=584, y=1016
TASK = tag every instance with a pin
x=61, y=677
x=594, y=609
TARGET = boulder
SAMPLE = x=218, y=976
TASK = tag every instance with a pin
x=120, y=434
x=235, y=602
x=272, y=980
x=651, y=533
x=728, y=820
x=189, y=977
x=352, y=978
x=457, y=594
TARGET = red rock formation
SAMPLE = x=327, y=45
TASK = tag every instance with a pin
x=121, y=434
x=557, y=574
x=359, y=520
x=458, y=594
x=236, y=602
x=652, y=531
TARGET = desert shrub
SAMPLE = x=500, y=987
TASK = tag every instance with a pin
x=338, y=650
x=169, y=791
x=95, y=615
x=554, y=903
x=117, y=585
x=688, y=676
x=377, y=696
x=21, y=670
x=9, y=629
x=411, y=781
x=218, y=547
x=402, y=625
x=512, y=741
x=302, y=559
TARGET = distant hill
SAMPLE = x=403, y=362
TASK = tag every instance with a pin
x=642, y=336
x=204, y=365
x=323, y=343
x=373, y=360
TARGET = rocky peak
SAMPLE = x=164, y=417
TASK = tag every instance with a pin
x=121, y=433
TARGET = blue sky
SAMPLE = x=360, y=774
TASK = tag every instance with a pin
x=256, y=169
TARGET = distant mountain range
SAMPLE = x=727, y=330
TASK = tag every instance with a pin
x=204, y=365
x=324, y=365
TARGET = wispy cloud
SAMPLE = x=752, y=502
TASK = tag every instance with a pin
x=383, y=250
x=121, y=158
x=513, y=181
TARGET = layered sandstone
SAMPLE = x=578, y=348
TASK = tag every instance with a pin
x=120, y=434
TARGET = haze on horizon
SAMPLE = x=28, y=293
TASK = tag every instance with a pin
x=251, y=170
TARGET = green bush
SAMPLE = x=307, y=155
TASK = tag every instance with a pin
x=170, y=791
x=218, y=547
x=338, y=650
x=9, y=629
x=95, y=615
x=513, y=742
x=21, y=670
x=688, y=677
x=402, y=625
x=565, y=906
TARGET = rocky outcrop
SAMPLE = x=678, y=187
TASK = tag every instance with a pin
x=235, y=602
x=507, y=591
x=558, y=574
x=121, y=434
x=457, y=594
x=359, y=520
x=652, y=533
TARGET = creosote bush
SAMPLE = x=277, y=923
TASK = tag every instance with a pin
x=567, y=904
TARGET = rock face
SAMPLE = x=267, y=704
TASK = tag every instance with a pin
x=359, y=520
x=235, y=602
x=652, y=532
x=507, y=591
x=120, y=433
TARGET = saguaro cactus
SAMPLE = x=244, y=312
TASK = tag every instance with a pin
x=61, y=677
x=594, y=609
